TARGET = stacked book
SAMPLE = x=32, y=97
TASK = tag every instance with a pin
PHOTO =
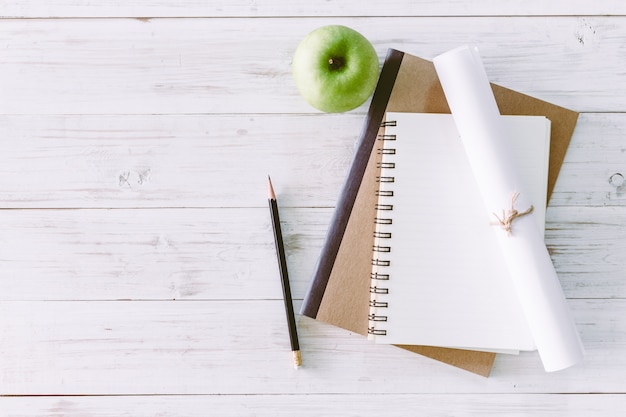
x=417, y=255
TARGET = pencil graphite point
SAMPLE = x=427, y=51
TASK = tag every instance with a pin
x=272, y=195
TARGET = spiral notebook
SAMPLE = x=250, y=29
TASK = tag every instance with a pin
x=438, y=275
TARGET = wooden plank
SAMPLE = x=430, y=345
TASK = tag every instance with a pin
x=204, y=254
x=154, y=254
x=353, y=405
x=239, y=347
x=134, y=161
x=595, y=155
x=587, y=247
x=161, y=66
x=174, y=161
x=221, y=8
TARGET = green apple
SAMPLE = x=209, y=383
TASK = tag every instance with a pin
x=335, y=68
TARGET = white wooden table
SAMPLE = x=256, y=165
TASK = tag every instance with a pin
x=137, y=267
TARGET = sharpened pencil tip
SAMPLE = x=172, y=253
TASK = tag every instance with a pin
x=270, y=189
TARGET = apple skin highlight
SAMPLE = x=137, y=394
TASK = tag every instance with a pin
x=335, y=68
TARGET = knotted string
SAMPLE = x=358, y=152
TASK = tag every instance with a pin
x=506, y=222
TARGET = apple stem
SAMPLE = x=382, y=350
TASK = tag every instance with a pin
x=335, y=63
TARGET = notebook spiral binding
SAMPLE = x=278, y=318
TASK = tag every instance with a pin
x=381, y=243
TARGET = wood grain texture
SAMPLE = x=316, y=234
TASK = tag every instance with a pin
x=435, y=405
x=156, y=254
x=183, y=161
x=595, y=154
x=164, y=66
x=268, y=8
x=137, y=269
x=220, y=347
x=228, y=253
x=201, y=254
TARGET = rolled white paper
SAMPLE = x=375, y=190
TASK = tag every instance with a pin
x=482, y=132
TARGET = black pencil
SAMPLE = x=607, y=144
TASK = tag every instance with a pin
x=284, y=276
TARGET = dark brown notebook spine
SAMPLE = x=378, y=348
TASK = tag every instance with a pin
x=348, y=194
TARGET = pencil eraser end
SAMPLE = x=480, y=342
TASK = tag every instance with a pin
x=297, y=359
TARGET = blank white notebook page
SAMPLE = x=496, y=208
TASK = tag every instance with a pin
x=447, y=281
